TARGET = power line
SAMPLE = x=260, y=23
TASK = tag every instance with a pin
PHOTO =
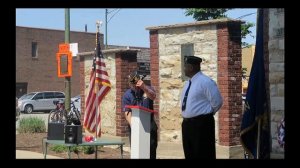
x=246, y=15
x=106, y=22
x=111, y=11
x=113, y=15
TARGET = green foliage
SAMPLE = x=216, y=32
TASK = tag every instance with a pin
x=217, y=13
x=31, y=125
x=245, y=29
x=88, y=149
x=244, y=71
x=206, y=13
x=75, y=149
x=59, y=148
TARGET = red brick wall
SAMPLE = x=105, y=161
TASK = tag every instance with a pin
x=230, y=82
x=154, y=70
x=125, y=64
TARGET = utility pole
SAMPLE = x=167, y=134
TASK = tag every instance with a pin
x=106, y=13
x=67, y=79
x=106, y=22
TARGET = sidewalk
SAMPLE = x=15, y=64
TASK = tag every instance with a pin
x=165, y=150
x=20, y=154
x=169, y=150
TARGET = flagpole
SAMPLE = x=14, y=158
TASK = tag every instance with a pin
x=96, y=114
x=98, y=23
x=258, y=139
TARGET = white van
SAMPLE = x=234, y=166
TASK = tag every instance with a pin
x=39, y=101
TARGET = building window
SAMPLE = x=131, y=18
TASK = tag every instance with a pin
x=21, y=88
x=186, y=50
x=34, y=50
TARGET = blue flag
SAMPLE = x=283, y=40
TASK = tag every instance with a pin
x=255, y=130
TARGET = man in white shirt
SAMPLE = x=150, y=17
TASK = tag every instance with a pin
x=200, y=100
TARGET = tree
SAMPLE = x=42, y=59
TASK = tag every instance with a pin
x=245, y=31
x=206, y=13
x=217, y=13
x=244, y=71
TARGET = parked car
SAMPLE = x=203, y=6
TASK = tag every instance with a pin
x=76, y=100
x=18, y=111
x=39, y=101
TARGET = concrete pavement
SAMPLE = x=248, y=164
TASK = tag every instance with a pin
x=20, y=154
x=169, y=150
x=165, y=150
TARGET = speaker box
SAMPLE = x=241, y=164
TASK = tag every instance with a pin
x=56, y=131
x=73, y=134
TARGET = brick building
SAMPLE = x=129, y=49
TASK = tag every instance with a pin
x=247, y=60
x=36, y=67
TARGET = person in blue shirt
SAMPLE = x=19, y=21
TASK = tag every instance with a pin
x=142, y=95
x=200, y=100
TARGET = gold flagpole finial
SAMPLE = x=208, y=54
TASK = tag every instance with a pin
x=98, y=23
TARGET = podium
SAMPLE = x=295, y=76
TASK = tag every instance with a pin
x=140, y=132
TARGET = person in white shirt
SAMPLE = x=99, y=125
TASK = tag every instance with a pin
x=200, y=100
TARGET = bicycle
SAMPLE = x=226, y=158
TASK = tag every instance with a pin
x=60, y=114
x=74, y=115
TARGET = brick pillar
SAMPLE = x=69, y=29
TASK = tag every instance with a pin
x=125, y=64
x=154, y=70
x=230, y=82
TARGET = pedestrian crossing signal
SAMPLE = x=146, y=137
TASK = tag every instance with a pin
x=64, y=64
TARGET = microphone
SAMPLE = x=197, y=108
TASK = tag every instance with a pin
x=137, y=92
x=143, y=76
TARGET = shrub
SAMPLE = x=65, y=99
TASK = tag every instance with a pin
x=32, y=125
x=88, y=149
x=63, y=148
x=59, y=148
x=75, y=149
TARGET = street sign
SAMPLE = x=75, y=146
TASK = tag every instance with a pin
x=74, y=49
x=64, y=64
x=64, y=48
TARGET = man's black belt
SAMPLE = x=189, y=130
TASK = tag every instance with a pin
x=202, y=116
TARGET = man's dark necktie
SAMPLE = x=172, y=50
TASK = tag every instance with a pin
x=185, y=96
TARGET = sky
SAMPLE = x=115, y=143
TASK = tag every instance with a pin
x=126, y=26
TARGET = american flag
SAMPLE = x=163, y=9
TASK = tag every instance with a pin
x=99, y=86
